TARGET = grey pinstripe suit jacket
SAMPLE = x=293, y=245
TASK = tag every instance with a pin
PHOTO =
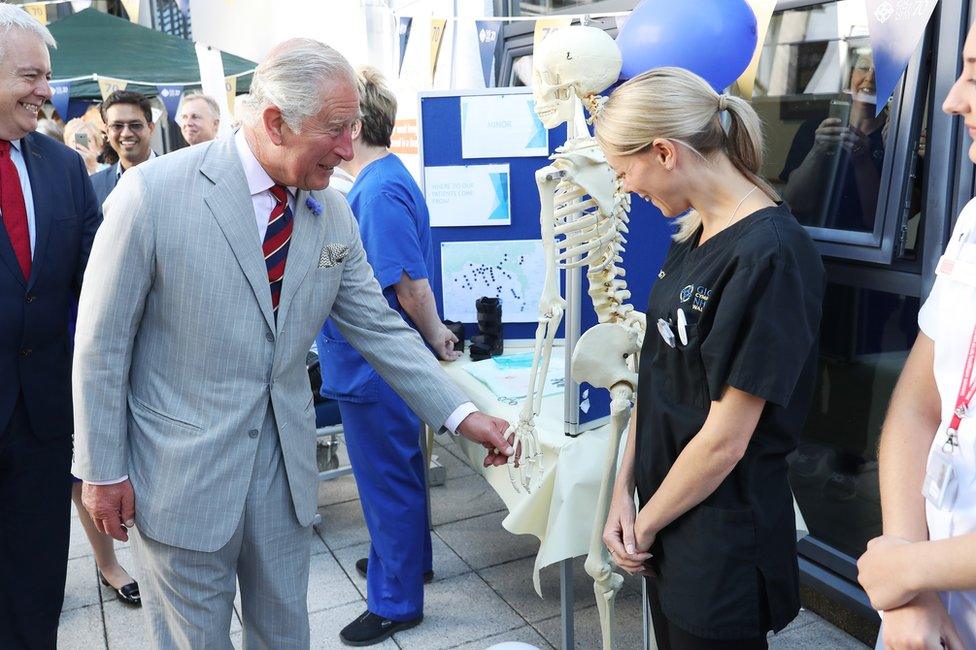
x=177, y=350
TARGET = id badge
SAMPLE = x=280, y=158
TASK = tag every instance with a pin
x=940, y=485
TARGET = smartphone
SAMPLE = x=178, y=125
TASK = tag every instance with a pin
x=81, y=138
x=840, y=110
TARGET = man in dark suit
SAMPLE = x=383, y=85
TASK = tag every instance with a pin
x=49, y=217
x=129, y=126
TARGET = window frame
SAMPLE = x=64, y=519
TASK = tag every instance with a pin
x=907, y=107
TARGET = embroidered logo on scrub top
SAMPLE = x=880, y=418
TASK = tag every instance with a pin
x=687, y=292
x=702, y=296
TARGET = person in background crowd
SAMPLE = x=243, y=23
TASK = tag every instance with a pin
x=193, y=413
x=199, y=118
x=128, y=122
x=922, y=571
x=85, y=138
x=382, y=433
x=49, y=216
x=833, y=169
x=51, y=129
x=727, y=375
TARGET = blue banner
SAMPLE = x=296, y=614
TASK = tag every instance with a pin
x=895, y=27
x=404, y=32
x=60, y=94
x=170, y=95
x=488, y=31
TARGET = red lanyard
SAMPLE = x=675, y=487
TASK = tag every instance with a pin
x=967, y=390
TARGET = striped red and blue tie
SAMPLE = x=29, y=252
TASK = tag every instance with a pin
x=276, y=241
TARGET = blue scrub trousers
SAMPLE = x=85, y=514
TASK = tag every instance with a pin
x=383, y=440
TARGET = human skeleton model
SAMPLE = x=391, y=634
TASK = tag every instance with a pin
x=583, y=219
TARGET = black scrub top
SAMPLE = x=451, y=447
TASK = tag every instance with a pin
x=752, y=297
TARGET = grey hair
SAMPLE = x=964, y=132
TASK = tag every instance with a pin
x=207, y=99
x=675, y=104
x=294, y=79
x=14, y=17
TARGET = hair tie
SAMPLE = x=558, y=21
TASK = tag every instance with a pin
x=722, y=103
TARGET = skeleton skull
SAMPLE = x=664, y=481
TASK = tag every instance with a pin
x=572, y=61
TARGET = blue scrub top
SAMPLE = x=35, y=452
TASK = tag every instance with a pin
x=395, y=228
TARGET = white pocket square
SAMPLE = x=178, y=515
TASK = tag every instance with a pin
x=332, y=254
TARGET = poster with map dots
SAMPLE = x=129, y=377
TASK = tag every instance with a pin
x=511, y=270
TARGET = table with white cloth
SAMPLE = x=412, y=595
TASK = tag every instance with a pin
x=560, y=509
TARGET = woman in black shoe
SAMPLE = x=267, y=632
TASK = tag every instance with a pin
x=726, y=371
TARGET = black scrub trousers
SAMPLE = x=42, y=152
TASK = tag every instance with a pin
x=751, y=297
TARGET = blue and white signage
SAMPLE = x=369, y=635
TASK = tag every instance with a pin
x=60, y=94
x=488, y=31
x=170, y=95
x=896, y=28
x=468, y=195
x=502, y=126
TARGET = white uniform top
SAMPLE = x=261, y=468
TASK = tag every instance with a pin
x=948, y=317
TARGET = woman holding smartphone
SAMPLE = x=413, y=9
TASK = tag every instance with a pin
x=726, y=378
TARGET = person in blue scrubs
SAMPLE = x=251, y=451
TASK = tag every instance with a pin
x=382, y=433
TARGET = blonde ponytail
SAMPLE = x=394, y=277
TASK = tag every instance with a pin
x=676, y=104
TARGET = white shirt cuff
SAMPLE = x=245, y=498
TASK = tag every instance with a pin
x=113, y=482
x=457, y=417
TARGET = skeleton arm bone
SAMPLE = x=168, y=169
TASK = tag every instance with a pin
x=551, y=308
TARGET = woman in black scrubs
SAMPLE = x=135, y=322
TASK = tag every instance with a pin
x=726, y=375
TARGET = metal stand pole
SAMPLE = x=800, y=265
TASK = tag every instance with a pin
x=574, y=287
x=574, y=284
x=645, y=615
x=566, y=602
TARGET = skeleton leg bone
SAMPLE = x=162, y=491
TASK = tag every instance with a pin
x=607, y=583
x=602, y=358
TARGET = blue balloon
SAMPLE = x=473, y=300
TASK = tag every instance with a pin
x=715, y=39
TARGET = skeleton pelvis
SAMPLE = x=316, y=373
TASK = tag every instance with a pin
x=601, y=354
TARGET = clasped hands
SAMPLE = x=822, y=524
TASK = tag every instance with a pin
x=628, y=540
x=913, y=619
x=885, y=572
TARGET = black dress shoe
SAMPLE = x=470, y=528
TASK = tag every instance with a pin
x=362, y=566
x=128, y=594
x=370, y=629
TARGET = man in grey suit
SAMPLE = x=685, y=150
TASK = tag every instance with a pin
x=214, y=269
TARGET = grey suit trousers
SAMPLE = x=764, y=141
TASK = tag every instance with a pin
x=189, y=595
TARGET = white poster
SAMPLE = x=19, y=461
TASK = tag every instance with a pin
x=502, y=126
x=513, y=271
x=507, y=376
x=468, y=195
x=213, y=83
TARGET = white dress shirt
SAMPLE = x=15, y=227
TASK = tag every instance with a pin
x=118, y=166
x=17, y=156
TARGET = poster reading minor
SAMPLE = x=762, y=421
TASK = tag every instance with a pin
x=502, y=126
x=468, y=195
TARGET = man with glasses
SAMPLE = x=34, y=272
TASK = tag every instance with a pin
x=129, y=124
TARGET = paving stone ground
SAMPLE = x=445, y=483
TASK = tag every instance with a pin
x=482, y=593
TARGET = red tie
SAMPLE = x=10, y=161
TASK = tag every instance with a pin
x=276, y=241
x=13, y=209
